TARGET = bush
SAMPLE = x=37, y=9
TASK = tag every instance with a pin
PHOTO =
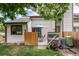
x=69, y=41
x=2, y=28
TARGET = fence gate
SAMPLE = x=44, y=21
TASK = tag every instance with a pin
x=31, y=38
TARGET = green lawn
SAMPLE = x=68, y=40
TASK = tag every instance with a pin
x=2, y=39
x=25, y=51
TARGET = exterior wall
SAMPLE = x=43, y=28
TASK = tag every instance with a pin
x=67, y=20
x=76, y=24
x=29, y=26
x=15, y=38
x=49, y=27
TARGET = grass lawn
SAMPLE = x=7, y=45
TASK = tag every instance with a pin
x=7, y=50
x=2, y=39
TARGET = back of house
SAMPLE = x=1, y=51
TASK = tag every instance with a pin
x=16, y=29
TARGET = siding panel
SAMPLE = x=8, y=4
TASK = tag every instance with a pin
x=49, y=27
x=67, y=19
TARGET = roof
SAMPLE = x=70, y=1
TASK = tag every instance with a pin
x=20, y=20
x=35, y=16
x=24, y=19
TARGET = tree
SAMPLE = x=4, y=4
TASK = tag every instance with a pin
x=2, y=28
x=53, y=11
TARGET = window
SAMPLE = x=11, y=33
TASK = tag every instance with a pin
x=16, y=29
x=76, y=29
x=37, y=30
x=39, y=33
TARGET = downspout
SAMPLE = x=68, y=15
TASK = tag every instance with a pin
x=62, y=34
x=5, y=33
x=61, y=28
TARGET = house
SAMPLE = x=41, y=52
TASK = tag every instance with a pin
x=76, y=22
x=15, y=29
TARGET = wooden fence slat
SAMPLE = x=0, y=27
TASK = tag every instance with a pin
x=75, y=36
x=31, y=38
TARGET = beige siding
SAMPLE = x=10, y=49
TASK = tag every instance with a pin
x=49, y=27
x=76, y=24
x=15, y=38
x=67, y=20
x=29, y=26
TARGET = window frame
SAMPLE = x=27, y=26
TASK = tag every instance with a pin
x=16, y=30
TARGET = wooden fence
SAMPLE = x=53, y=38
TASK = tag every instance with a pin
x=31, y=38
x=75, y=36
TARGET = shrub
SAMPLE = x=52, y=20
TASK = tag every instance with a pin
x=2, y=28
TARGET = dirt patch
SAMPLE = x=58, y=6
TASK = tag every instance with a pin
x=67, y=52
x=2, y=39
x=14, y=50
